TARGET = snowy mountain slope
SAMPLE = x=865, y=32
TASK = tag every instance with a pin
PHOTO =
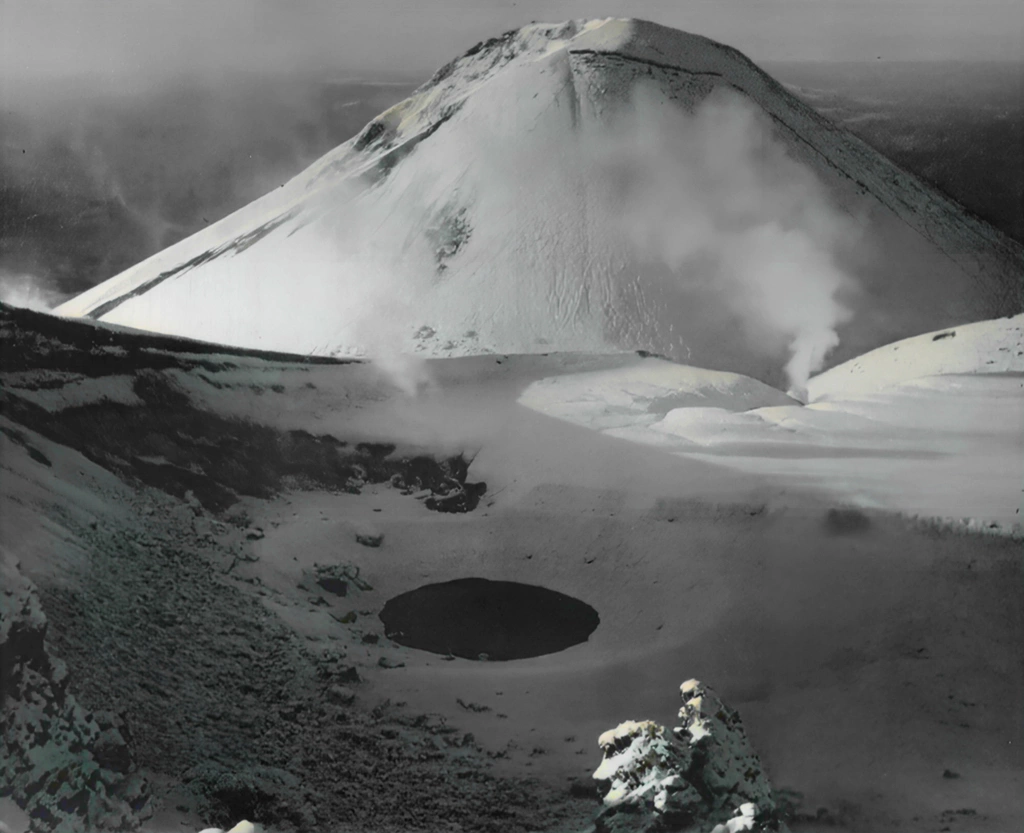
x=585, y=186
x=983, y=347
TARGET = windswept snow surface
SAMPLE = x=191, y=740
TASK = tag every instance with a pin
x=928, y=426
x=586, y=186
x=644, y=393
x=867, y=654
x=983, y=347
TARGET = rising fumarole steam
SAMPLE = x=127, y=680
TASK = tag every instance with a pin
x=27, y=292
x=711, y=197
x=715, y=198
x=555, y=190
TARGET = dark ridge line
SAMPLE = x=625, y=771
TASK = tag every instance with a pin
x=98, y=312
x=237, y=246
x=391, y=157
x=898, y=206
x=645, y=61
x=382, y=165
x=445, y=71
x=80, y=333
x=981, y=230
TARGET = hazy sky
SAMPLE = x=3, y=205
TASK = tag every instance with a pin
x=127, y=42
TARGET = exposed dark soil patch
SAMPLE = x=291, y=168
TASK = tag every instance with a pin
x=33, y=452
x=171, y=445
x=476, y=618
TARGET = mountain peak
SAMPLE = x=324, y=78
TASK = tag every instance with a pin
x=639, y=41
x=592, y=185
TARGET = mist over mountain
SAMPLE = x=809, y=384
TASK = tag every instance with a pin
x=93, y=181
x=593, y=185
x=957, y=125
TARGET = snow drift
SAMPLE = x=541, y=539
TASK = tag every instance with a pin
x=980, y=348
x=593, y=185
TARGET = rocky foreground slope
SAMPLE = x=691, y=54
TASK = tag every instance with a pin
x=66, y=767
x=125, y=501
x=708, y=779
x=214, y=536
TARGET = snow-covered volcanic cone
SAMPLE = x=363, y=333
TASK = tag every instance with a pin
x=587, y=186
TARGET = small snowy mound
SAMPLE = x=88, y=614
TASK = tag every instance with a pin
x=642, y=393
x=709, y=426
x=707, y=779
x=995, y=346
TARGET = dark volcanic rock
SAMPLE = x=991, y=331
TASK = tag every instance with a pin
x=369, y=539
x=707, y=780
x=68, y=769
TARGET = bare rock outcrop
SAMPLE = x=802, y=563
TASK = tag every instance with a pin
x=704, y=777
x=68, y=769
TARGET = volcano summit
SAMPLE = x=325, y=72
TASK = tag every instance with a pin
x=591, y=186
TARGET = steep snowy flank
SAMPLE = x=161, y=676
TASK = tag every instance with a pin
x=587, y=186
x=984, y=347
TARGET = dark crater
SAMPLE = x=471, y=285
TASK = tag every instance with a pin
x=476, y=618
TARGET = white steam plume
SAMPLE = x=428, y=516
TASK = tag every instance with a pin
x=377, y=264
x=744, y=230
x=384, y=315
x=27, y=292
x=717, y=189
x=716, y=192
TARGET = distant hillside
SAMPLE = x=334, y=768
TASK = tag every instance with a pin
x=958, y=126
